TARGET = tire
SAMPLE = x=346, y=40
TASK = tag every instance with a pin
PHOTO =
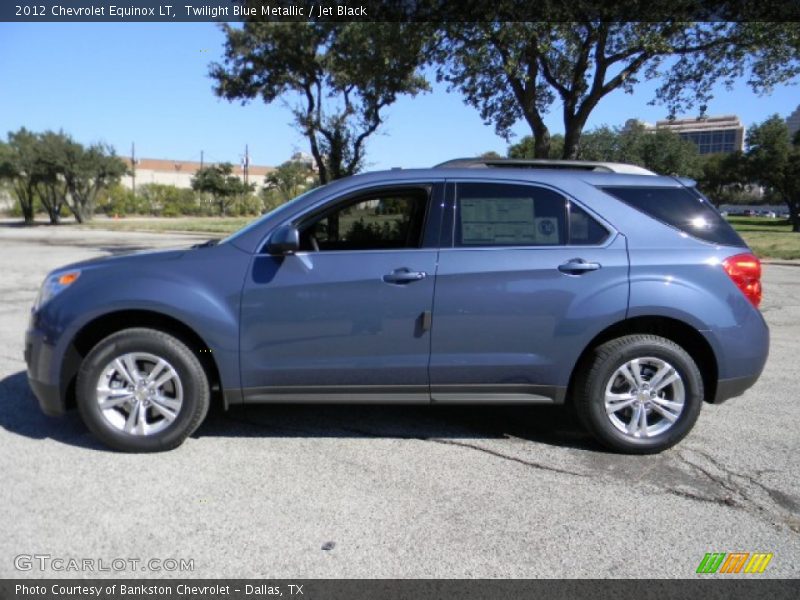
x=609, y=398
x=139, y=415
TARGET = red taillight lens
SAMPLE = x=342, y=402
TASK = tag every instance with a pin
x=745, y=271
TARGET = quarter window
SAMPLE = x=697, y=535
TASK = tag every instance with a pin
x=583, y=229
x=680, y=207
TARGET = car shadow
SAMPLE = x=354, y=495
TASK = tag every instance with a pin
x=552, y=425
x=20, y=414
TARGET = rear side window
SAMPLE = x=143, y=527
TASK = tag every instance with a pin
x=682, y=209
x=491, y=214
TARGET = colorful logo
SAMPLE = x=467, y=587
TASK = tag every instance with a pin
x=734, y=562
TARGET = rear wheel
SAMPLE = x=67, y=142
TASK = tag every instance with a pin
x=142, y=390
x=639, y=394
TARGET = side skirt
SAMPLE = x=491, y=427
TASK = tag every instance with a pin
x=407, y=394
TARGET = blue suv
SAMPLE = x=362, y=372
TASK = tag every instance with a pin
x=626, y=295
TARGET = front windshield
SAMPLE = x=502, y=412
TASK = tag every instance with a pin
x=275, y=211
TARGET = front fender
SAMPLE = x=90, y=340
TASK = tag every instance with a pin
x=200, y=288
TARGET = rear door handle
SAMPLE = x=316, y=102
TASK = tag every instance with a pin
x=578, y=266
x=401, y=276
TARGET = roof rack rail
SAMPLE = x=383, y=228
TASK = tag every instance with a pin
x=543, y=163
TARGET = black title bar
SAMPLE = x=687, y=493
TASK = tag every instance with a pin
x=398, y=10
x=745, y=587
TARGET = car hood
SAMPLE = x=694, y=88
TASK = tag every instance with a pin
x=128, y=258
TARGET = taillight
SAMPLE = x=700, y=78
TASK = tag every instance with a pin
x=745, y=271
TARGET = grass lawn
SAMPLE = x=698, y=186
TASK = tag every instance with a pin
x=211, y=225
x=769, y=238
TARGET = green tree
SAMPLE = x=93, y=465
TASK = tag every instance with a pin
x=19, y=166
x=289, y=179
x=512, y=71
x=340, y=76
x=52, y=169
x=723, y=177
x=662, y=151
x=87, y=172
x=774, y=162
x=602, y=143
x=52, y=149
x=526, y=147
x=221, y=184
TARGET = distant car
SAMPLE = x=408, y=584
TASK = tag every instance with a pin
x=626, y=295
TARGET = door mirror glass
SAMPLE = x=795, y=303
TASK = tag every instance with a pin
x=285, y=240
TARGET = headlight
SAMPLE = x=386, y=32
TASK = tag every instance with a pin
x=53, y=285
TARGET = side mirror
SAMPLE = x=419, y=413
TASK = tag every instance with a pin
x=284, y=240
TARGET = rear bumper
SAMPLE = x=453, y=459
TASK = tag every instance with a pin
x=730, y=388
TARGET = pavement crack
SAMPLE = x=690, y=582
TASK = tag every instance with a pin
x=727, y=501
x=738, y=490
x=522, y=461
x=495, y=453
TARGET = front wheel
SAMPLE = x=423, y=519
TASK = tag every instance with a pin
x=142, y=390
x=639, y=394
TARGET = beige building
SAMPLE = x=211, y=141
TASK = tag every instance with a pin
x=710, y=134
x=180, y=172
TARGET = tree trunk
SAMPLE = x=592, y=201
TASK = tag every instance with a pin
x=541, y=137
x=572, y=137
x=76, y=208
x=541, y=134
x=794, y=215
x=573, y=128
x=27, y=212
x=25, y=196
x=541, y=145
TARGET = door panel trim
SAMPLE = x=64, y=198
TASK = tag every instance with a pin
x=502, y=393
x=338, y=394
x=497, y=393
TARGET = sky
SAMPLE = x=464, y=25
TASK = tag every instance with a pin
x=148, y=84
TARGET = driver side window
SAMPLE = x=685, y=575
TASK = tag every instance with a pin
x=390, y=219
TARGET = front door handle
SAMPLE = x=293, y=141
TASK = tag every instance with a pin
x=401, y=276
x=578, y=266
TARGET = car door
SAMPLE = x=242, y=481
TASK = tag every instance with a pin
x=528, y=280
x=347, y=317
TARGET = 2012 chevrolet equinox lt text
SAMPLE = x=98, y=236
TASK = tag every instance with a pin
x=627, y=295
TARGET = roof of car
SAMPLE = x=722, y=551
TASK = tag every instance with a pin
x=540, y=163
x=543, y=175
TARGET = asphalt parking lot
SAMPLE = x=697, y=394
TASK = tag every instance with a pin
x=317, y=492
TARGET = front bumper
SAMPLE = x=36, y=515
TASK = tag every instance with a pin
x=38, y=358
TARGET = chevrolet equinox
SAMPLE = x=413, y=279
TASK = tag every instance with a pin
x=619, y=291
